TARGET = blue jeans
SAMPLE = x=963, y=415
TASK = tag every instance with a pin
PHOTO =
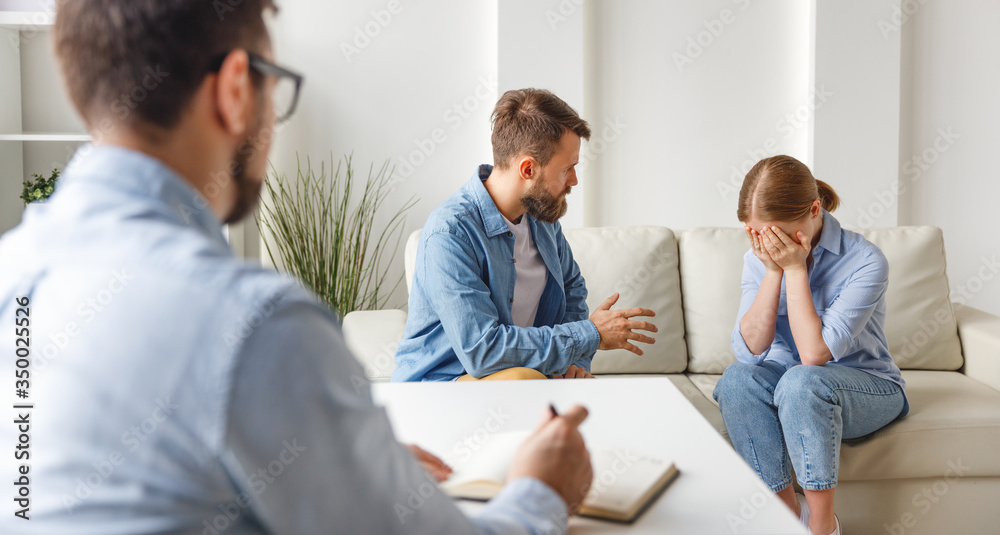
x=803, y=413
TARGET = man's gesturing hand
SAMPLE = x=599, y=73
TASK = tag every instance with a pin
x=556, y=454
x=616, y=329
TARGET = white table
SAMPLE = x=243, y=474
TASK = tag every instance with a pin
x=716, y=492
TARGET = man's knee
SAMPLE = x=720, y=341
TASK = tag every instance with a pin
x=510, y=374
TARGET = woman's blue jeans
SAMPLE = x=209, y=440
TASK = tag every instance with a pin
x=802, y=413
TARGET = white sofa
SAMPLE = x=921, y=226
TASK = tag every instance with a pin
x=936, y=471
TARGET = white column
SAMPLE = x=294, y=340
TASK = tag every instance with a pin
x=856, y=131
x=541, y=46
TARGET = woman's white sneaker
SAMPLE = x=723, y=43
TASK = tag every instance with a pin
x=803, y=509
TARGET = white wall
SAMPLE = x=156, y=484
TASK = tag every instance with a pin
x=856, y=132
x=697, y=92
x=419, y=91
x=683, y=98
x=950, y=85
x=536, y=50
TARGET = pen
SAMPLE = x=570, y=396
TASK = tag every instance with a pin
x=552, y=409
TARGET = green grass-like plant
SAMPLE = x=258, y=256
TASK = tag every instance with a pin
x=40, y=188
x=324, y=233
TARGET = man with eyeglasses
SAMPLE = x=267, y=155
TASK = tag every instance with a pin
x=176, y=389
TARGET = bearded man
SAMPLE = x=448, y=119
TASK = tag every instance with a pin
x=496, y=293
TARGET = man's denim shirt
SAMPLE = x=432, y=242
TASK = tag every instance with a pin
x=463, y=288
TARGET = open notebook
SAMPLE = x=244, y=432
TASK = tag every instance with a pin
x=625, y=481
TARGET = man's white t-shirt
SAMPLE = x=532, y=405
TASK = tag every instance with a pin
x=531, y=274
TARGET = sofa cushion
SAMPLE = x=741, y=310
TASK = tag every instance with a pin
x=920, y=324
x=953, y=421
x=372, y=336
x=640, y=263
x=711, y=265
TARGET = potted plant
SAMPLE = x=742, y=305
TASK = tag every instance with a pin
x=40, y=188
x=325, y=235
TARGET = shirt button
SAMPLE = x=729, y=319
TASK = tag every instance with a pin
x=510, y=233
x=511, y=299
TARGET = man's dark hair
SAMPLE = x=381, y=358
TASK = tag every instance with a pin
x=532, y=121
x=141, y=61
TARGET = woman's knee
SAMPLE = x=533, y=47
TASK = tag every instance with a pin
x=738, y=378
x=801, y=382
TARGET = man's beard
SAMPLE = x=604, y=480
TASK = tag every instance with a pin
x=541, y=205
x=247, y=189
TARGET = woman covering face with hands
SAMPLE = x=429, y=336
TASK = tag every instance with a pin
x=813, y=362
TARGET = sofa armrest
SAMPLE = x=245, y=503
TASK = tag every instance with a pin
x=980, y=334
x=372, y=336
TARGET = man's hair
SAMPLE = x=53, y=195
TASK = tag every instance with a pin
x=141, y=61
x=532, y=121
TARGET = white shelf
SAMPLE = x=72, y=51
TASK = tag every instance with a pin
x=39, y=128
x=26, y=20
x=45, y=136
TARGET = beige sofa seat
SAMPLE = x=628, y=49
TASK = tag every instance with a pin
x=953, y=419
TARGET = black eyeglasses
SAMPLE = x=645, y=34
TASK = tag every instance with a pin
x=286, y=89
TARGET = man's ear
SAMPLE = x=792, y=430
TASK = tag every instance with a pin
x=526, y=167
x=234, y=93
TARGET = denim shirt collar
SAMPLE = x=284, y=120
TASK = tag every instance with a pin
x=493, y=222
x=829, y=238
x=144, y=177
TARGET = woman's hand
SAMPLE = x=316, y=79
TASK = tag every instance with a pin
x=784, y=251
x=757, y=245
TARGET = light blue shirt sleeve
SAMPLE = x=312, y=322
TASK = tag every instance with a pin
x=453, y=285
x=778, y=351
x=525, y=505
x=749, y=284
x=846, y=318
x=310, y=452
